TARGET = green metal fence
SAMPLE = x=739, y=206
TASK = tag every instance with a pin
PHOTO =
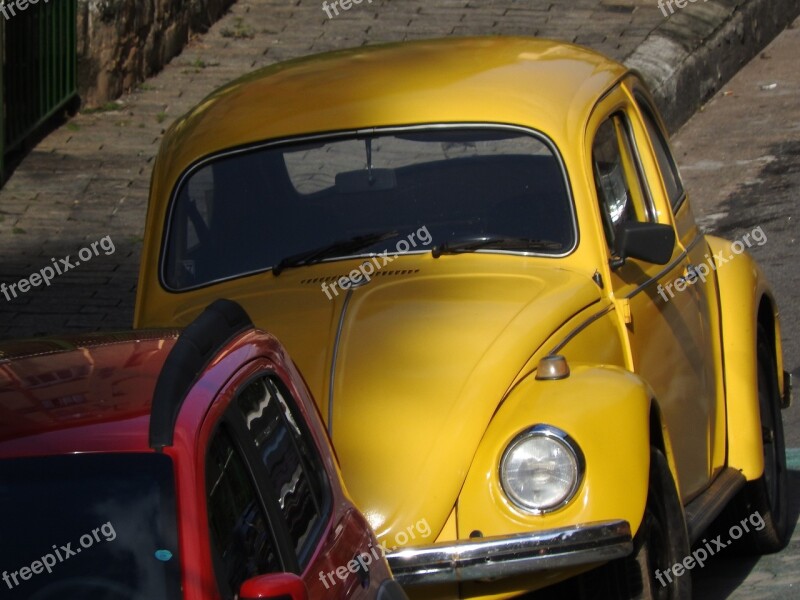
x=2, y=106
x=39, y=62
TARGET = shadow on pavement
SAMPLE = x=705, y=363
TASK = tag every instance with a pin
x=726, y=571
x=94, y=294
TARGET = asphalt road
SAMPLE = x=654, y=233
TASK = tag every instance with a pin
x=740, y=159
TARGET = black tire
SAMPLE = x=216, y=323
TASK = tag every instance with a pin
x=662, y=539
x=768, y=495
x=661, y=542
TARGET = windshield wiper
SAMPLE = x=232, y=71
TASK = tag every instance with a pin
x=484, y=242
x=315, y=255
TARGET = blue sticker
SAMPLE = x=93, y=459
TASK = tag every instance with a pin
x=163, y=555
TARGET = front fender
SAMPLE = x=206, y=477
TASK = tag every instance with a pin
x=742, y=286
x=606, y=411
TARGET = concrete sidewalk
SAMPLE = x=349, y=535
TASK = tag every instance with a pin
x=89, y=179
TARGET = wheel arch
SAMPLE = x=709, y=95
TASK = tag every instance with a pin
x=745, y=302
x=660, y=439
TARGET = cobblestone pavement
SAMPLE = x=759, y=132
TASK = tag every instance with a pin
x=89, y=178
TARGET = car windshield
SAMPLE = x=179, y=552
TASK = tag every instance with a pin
x=292, y=204
x=89, y=526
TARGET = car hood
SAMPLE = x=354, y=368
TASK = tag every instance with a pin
x=421, y=365
x=422, y=360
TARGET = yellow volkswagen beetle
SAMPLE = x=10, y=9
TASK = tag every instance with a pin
x=481, y=256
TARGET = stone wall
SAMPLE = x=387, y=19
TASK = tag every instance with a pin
x=122, y=42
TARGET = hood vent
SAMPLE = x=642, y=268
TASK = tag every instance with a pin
x=375, y=275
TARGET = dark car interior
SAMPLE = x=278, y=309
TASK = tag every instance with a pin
x=252, y=215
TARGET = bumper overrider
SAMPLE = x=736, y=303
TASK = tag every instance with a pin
x=509, y=555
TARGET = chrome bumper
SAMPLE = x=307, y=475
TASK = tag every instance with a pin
x=504, y=556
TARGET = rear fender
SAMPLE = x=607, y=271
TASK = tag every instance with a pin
x=742, y=290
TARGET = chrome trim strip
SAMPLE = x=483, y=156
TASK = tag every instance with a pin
x=336, y=342
x=658, y=275
x=509, y=555
x=668, y=268
x=332, y=135
x=568, y=338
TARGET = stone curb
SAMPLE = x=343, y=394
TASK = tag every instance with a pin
x=688, y=58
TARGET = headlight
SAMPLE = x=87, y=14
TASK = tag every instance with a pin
x=541, y=469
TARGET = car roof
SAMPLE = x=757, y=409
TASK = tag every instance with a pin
x=79, y=393
x=551, y=86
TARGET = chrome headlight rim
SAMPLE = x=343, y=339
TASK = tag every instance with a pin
x=562, y=437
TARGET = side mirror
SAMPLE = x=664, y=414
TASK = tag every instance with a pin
x=650, y=242
x=277, y=585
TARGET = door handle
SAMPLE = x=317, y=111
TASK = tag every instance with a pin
x=694, y=272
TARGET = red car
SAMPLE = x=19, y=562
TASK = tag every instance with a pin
x=152, y=466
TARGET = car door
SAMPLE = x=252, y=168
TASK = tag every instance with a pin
x=665, y=184
x=664, y=332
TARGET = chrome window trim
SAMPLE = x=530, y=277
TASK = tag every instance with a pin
x=345, y=134
x=647, y=195
x=644, y=106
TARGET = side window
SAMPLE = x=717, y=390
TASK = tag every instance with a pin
x=616, y=178
x=241, y=538
x=666, y=161
x=292, y=464
x=193, y=216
